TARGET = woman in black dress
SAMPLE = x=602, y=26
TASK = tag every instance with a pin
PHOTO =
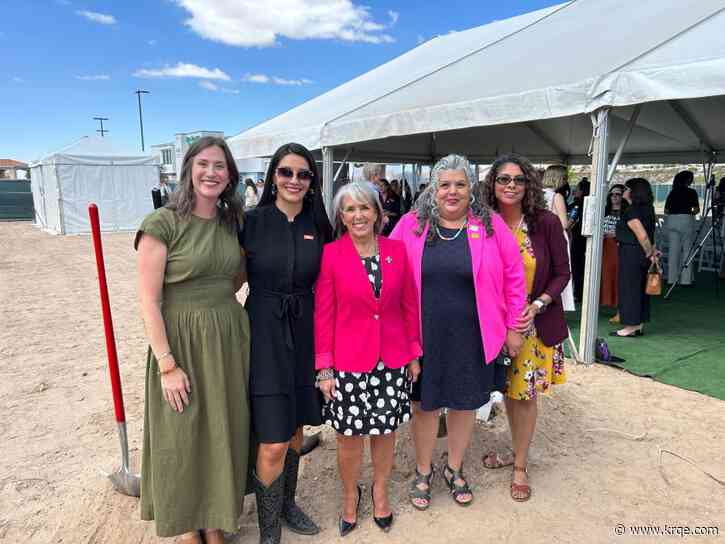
x=283, y=238
x=636, y=238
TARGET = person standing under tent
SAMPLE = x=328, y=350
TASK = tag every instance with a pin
x=681, y=207
x=470, y=280
x=367, y=340
x=513, y=189
x=609, y=288
x=636, y=239
x=578, y=241
x=196, y=417
x=250, y=194
x=555, y=177
x=283, y=239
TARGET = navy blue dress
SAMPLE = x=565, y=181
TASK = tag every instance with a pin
x=454, y=373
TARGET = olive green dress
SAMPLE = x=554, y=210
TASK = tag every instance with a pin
x=195, y=463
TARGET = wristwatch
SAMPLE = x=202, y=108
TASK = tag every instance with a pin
x=540, y=304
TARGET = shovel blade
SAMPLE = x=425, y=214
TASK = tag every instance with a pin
x=125, y=482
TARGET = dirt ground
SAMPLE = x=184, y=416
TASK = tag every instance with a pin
x=595, y=459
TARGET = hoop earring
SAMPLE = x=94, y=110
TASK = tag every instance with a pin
x=274, y=188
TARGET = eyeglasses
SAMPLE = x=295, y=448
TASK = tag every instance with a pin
x=302, y=175
x=505, y=179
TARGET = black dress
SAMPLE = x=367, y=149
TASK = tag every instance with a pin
x=283, y=261
x=633, y=266
x=454, y=373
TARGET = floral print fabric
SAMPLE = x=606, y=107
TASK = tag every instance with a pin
x=537, y=367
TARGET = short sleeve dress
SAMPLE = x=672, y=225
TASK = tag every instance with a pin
x=283, y=262
x=537, y=366
x=194, y=463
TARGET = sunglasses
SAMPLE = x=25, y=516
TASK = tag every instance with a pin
x=505, y=179
x=616, y=194
x=302, y=175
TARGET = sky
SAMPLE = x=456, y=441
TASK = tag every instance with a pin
x=221, y=65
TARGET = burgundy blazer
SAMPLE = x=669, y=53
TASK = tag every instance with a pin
x=552, y=275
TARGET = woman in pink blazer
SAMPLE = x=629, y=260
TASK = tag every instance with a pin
x=367, y=344
x=472, y=293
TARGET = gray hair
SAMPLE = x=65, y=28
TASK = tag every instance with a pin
x=373, y=169
x=426, y=208
x=362, y=192
x=554, y=176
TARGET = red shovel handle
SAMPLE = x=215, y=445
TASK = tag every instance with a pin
x=107, y=321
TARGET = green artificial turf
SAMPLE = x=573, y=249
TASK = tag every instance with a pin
x=683, y=344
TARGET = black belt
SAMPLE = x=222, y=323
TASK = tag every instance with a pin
x=290, y=308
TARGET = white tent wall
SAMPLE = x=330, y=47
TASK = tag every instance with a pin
x=51, y=198
x=37, y=189
x=122, y=193
x=92, y=170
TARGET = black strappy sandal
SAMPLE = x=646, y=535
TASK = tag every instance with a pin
x=414, y=492
x=455, y=489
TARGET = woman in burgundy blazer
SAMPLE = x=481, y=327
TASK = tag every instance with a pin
x=367, y=344
x=513, y=188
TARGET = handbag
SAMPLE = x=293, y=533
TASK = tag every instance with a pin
x=654, y=279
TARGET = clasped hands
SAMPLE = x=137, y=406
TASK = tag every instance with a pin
x=327, y=387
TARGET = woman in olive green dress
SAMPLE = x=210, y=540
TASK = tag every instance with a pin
x=196, y=420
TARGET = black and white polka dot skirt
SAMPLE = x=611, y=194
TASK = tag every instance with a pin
x=369, y=403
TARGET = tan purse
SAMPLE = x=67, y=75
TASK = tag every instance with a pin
x=654, y=279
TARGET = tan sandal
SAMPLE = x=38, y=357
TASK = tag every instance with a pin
x=493, y=460
x=520, y=492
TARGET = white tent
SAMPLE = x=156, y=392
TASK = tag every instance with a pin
x=555, y=84
x=92, y=170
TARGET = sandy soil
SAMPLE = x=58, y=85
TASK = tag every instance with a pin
x=595, y=459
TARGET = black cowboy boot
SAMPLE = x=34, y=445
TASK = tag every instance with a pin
x=269, y=509
x=293, y=516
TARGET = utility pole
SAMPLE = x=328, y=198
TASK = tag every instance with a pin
x=101, y=130
x=139, y=92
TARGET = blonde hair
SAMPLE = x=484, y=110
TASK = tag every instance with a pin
x=554, y=176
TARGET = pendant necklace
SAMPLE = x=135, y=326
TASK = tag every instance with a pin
x=449, y=238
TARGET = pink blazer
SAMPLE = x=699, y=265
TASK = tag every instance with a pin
x=498, y=272
x=353, y=329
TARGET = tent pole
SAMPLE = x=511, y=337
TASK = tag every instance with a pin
x=327, y=179
x=593, y=266
x=344, y=160
x=623, y=143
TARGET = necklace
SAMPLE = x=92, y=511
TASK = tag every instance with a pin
x=450, y=238
x=517, y=227
x=374, y=251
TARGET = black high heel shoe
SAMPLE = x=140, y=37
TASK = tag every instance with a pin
x=384, y=523
x=345, y=526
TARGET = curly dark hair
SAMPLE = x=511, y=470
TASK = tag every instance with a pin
x=533, y=202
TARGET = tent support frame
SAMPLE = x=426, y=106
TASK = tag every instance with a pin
x=618, y=155
x=327, y=178
x=590, y=303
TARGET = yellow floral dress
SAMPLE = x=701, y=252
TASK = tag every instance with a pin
x=537, y=366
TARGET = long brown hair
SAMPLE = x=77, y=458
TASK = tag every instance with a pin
x=229, y=204
x=533, y=201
